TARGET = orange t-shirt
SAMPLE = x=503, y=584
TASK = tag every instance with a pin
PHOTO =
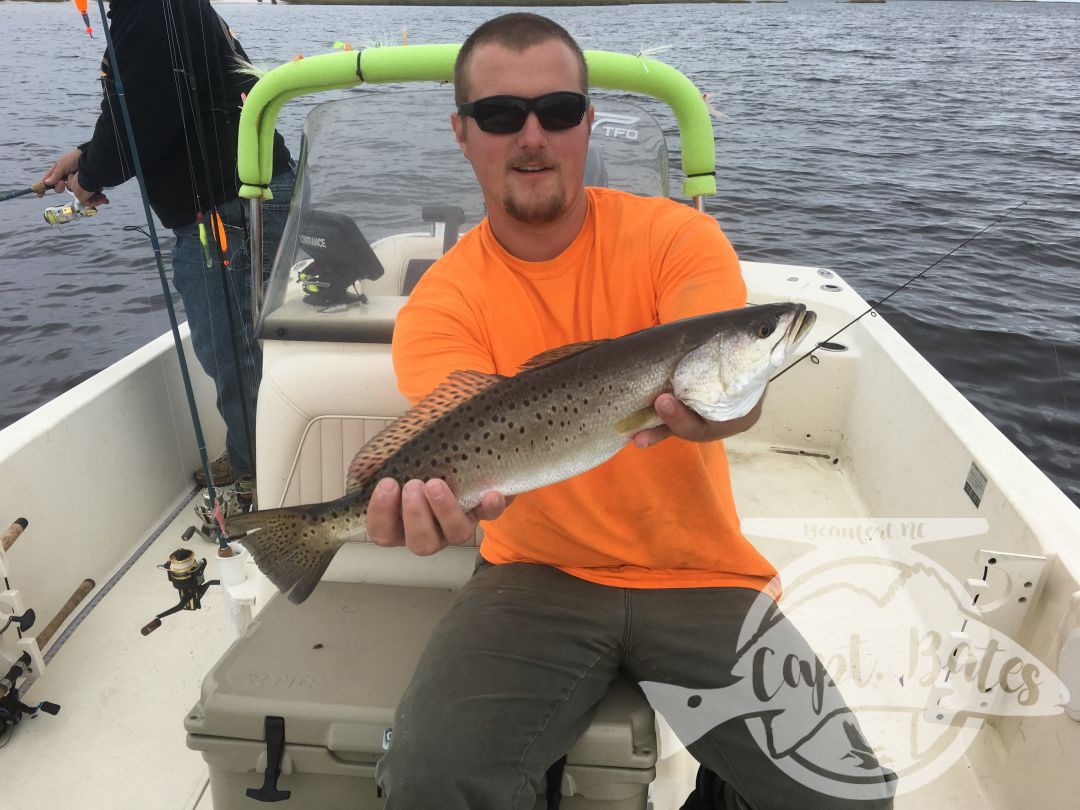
x=661, y=517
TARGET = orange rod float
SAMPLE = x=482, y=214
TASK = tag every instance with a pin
x=81, y=6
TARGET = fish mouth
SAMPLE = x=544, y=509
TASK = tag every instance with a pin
x=800, y=326
x=801, y=323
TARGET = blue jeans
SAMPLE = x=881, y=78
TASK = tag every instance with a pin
x=200, y=289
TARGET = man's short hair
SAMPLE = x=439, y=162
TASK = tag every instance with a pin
x=516, y=31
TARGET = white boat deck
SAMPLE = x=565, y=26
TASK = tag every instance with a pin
x=119, y=741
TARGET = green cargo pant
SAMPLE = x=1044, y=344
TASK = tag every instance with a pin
x=513, y=672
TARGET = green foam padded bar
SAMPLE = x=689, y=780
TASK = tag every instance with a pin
x=417, y=63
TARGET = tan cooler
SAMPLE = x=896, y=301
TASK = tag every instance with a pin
x=311, y=691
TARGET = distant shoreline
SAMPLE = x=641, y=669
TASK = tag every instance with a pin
x=508, y=2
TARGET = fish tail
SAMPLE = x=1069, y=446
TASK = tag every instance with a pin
x=293, y=547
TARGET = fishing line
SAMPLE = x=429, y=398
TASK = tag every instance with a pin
x=118, y=84
x=227, y=296
x=221, y=104
x=873, y=307
x=181, y=85
x=1057, y=360
x=124, y=168
x=1064, y=400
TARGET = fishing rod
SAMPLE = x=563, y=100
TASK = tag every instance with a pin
x=200, y=441
x=37, y=188
x=872, y=309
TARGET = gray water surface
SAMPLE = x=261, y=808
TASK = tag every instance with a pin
x=870, y=139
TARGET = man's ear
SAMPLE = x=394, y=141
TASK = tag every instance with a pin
x=458, y=123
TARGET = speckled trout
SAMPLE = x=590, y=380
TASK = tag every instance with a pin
x=566, y=411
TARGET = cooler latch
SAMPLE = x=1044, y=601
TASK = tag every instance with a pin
x=275, y=750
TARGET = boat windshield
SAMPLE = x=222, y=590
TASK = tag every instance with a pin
x=383, y=191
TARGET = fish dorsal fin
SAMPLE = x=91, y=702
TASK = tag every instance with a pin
x=459, y=386
x=552, y=356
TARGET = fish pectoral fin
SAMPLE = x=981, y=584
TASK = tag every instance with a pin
x=459, y=386
x=641, y=419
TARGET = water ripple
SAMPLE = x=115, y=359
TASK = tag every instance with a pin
x=868, y=139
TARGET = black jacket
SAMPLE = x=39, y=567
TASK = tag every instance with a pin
x=162, y=107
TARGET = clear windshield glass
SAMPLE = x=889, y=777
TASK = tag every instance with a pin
x=383, y=191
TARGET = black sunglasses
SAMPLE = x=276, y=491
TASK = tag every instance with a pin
x=503, y=115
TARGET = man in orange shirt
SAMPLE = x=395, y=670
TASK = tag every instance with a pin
x=637, y=566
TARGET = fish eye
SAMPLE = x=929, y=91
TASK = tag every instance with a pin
x=765, y=330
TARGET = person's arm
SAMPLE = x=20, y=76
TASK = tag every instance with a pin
x=433, y=337
x=143, y=46
x=697, y=272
